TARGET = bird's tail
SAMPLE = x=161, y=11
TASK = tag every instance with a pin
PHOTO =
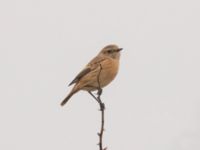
x=67, y=98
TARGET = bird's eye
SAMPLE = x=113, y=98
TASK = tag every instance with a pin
x=109, y=51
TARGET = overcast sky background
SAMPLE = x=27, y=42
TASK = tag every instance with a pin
x=154, y=102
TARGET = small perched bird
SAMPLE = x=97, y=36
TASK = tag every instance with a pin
x=98, y=73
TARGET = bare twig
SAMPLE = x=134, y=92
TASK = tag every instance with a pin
x=102, y=108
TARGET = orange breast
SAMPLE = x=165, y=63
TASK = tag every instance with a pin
x=108, y=72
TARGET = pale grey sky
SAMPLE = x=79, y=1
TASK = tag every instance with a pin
x=154, y=102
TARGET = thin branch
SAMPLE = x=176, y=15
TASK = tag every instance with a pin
x=102, y=108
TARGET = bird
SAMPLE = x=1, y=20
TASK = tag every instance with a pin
x=98, y=73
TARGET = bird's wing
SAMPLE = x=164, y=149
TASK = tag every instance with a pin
x=92, y=65
x=80, y=75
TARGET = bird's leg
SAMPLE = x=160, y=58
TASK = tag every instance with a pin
x=102, y=106
x=99, y=83
x=99, y=92
x=94, y=96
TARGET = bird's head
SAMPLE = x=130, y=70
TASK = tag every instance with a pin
x=112, y=51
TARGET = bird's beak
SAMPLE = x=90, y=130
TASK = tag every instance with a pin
x=119, y=49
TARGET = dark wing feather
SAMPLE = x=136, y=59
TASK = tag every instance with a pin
x=93, y=64
x=80, y=75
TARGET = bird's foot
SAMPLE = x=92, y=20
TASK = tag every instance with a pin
x=99, y=92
